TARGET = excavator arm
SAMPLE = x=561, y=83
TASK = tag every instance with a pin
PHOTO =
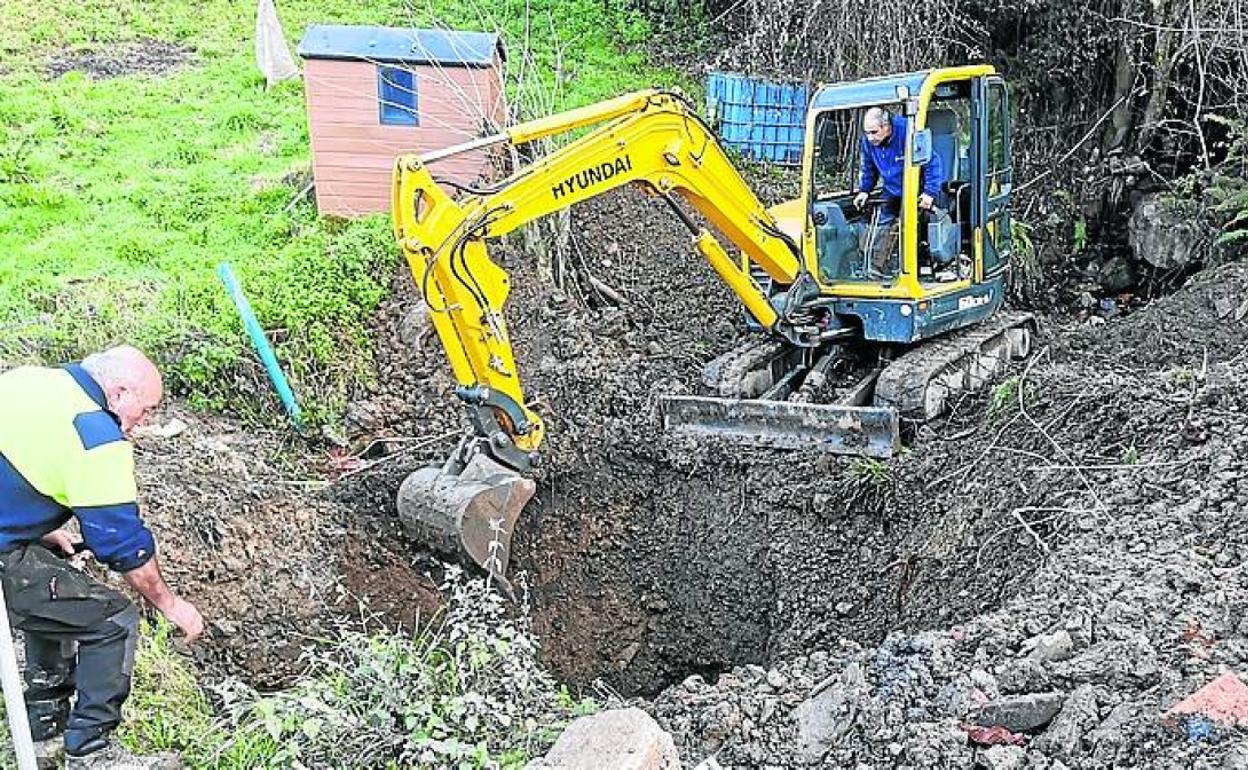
x=652, y=138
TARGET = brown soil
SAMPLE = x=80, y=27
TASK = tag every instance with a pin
x=145, y=56
x=270, y=559
x=647, y=557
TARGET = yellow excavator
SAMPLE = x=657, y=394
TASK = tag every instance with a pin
x=871, y=308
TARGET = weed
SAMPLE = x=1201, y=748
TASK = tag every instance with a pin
x=1131, y=456
x=1184, y=376
x=1020, y=237
x=1081, y=234
x=1003, y=400
x=467, y=691
x=869, y=469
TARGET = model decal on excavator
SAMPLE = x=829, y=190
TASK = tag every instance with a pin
x=592, y=176
x=831, y=281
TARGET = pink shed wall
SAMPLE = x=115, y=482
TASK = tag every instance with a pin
x=353, y=154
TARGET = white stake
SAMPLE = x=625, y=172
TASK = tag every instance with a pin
x=14, y=702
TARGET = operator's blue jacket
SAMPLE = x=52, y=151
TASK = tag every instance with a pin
x=887, y=162
x=62, y=454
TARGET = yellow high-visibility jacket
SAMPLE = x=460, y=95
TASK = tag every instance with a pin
x=62, y=454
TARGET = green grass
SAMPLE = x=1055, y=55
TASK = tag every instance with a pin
x=1003, y=402
x=119, y=197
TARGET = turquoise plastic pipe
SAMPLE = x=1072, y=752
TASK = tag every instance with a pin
x=261, y=342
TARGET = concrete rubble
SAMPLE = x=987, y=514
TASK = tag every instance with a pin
x=1099, y=651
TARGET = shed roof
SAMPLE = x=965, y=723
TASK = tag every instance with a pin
x=399, y=45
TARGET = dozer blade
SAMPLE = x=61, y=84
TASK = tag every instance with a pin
x=472, y=511
x=858, y=430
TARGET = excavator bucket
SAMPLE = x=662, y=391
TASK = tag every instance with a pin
x=859, y=430
x=466, y=508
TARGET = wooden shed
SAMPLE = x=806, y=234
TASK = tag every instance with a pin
x=376, y=92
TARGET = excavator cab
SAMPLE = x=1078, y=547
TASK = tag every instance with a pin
x=945, y=268
x=842, y=292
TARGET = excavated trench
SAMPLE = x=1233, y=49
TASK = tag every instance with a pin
x=644, y=570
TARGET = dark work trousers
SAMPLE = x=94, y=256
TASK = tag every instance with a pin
x=79, y=634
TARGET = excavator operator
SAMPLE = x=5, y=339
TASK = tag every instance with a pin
x=883, y=160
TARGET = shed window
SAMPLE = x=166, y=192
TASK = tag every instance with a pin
x=396, y=94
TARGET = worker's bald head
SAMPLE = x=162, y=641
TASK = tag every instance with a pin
x=131, y=383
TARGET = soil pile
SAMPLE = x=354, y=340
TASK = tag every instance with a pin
x=139, y=57
x=1100, y=493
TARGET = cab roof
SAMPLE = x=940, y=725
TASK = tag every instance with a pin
x=880, y=90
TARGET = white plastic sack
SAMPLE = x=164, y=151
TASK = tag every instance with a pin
x=272, y=56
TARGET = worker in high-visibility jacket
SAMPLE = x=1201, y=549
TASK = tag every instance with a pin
x=64, y=455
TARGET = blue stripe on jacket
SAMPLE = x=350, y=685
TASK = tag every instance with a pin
x=116, y=535
x=28, y=514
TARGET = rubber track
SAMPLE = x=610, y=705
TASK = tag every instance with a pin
x=903, y=383
x=725, y=373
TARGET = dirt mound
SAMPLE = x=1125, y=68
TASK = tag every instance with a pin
x=271, y=562
x=138, y=57
x=1098, y=495
x=1176, y=330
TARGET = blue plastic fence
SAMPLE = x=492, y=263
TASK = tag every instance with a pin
x=762, y=120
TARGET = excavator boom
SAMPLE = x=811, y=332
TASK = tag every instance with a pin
x=854, y=340
x=652, y=138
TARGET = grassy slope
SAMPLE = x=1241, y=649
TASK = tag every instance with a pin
x=118, y=197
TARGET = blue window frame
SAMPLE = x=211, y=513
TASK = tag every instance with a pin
x=396, y=97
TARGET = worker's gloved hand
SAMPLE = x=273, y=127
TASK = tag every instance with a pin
x=926, y=201
x=860, y=200
x=184, y=615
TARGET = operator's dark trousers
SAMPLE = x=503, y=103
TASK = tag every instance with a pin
x=61, y=608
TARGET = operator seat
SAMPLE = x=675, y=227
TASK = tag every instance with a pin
x=944, y=127
x=944, y=240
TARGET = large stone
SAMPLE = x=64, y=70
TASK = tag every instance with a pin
x=619, y=739
x=1064, y=737
x=1163, y=232
x=1117, y=275
x=822, y=721
x=1131, y=662
x=1020, y=713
